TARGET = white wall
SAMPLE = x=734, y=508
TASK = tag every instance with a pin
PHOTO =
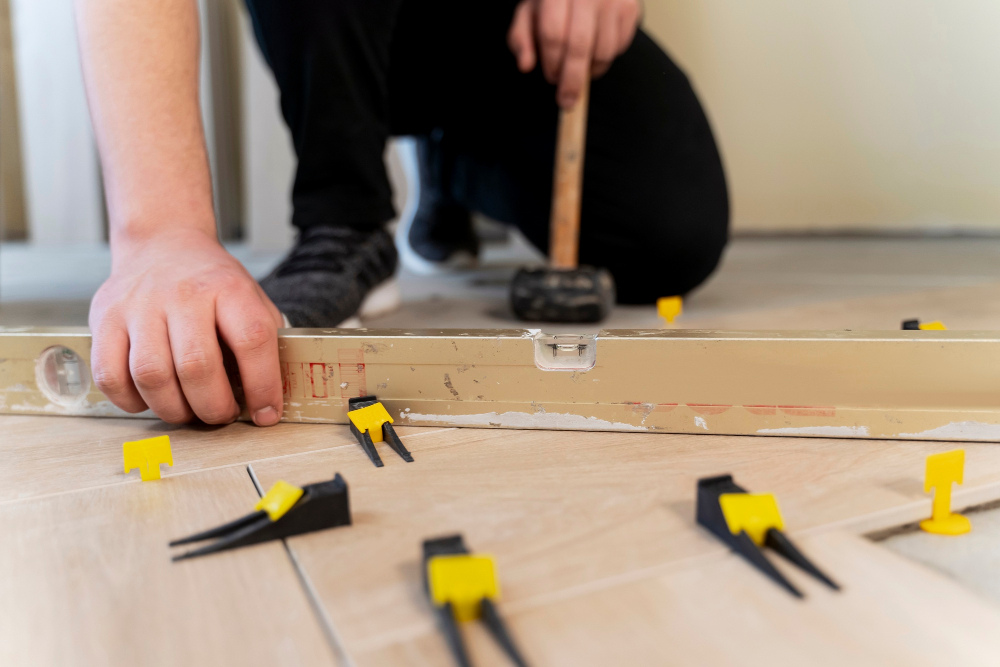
x=848, y=113
x=61, y=173
x=249, y=147
x=222, y=109
x=831, y=114
x=60, y=162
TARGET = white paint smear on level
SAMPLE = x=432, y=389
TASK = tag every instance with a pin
x=553, y=420
x=959, y=431
x=833, y=431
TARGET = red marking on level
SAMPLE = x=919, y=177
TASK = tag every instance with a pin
x=291, y=375
x=317, y=376
x=808, y=411
x=352, y=373
x=708, y=408
x=762, y=409
x=286, y=388
x=664, y=407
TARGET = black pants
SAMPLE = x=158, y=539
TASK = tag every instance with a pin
x=353, y=72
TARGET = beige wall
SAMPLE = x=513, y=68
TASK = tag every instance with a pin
x=836, y=114
x=831, y=114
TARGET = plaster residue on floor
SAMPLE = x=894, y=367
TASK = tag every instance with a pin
x=972, y=559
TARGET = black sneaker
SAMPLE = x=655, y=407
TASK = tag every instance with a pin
x=436, y=234
x=333, y=275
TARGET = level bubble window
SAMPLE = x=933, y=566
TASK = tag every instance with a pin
x=62, y=376
x=565, y=352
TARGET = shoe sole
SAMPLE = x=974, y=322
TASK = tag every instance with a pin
x=383, y=299
x=410, y=259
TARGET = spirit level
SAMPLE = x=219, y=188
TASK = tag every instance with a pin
x=939, y=385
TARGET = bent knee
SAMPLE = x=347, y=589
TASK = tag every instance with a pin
x=677, y=272
x=661, y=261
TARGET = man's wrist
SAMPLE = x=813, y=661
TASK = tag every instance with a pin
x=143, y=232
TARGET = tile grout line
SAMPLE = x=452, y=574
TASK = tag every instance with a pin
x=982, y=495
x=325, y=622
x=963, y=500
x=181, y=473
x=55, y=494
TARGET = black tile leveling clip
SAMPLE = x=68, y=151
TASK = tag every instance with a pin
x=461, y=587
x=371, y=423
x=746, y=522
x=284, y=511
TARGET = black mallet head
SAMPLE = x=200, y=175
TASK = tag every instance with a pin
x=584, y=294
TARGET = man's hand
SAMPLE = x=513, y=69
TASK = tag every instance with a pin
x=173, y=291
x=576, y=39
x=157, y=321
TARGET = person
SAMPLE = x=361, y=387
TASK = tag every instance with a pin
x=479, y=84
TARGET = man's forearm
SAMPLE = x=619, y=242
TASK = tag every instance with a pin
x=140, y=63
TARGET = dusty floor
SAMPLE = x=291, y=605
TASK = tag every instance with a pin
x=52, y=286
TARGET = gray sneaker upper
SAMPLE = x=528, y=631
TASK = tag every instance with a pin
x=327, y=274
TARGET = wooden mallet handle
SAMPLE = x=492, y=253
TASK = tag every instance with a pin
x=570, y=150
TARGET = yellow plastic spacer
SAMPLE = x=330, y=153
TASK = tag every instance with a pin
x=756, y=513
x=279, y=499
x=370, y=419
x=147, y=455
x=936, y=325
x=670, y=307
x=464, y=581
x=943, y=470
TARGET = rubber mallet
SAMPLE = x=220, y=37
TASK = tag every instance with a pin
x=565, y=292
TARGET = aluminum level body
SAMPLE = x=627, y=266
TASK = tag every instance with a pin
x=940, y=385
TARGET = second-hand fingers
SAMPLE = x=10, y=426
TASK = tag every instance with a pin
x=248, y=328
x=606, y=43
x=628, y=23
x=152, y=368
x=198, y=363
x=579, y=53
x=279, y=319
x=521, y=36
x=552, y=21
x=109, y=358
